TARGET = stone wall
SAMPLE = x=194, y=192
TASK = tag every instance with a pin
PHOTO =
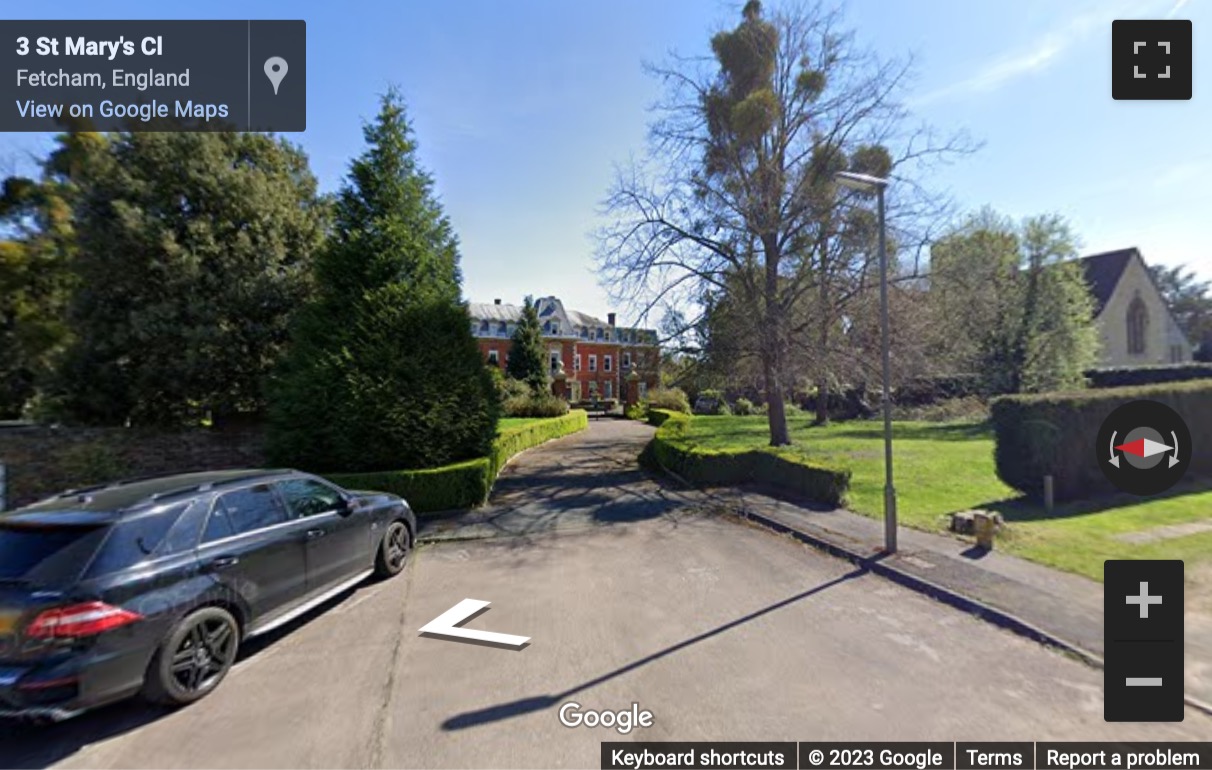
x=44, y=460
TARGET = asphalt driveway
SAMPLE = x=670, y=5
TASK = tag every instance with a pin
x=722, y=630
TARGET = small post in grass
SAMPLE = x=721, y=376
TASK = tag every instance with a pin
x=1049, y=500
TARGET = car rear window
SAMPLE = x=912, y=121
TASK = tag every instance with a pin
x=47, y=555
x=134, y=540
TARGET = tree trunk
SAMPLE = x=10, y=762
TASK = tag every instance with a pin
x=772, y=341
x=822, y=360
x=776, y=408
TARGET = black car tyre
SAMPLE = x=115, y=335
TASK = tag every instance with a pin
x=393, y=550
x=194, y=657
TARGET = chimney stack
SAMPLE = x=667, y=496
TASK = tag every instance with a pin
x=496, y=302
x=610, y=319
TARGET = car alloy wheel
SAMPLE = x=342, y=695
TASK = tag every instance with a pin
x=205, y=654
x=394, y=552
x=194, y=657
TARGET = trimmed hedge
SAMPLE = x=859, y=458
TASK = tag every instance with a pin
x=1147, y=375
x=658, y=417
x=671, y=450
x=1054, y=434
x=460, y=485
x=510, y=442
x=464, y=484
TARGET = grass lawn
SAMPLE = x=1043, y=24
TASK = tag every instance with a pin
x=941, y=468
x=509, y=423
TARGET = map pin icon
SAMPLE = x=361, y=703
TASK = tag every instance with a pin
x=275, y=70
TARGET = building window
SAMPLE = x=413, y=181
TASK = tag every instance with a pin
x=626, y=360
x=484, y=328
x=593, y=363
x=606, y=363
x=502, y=329
x=494, y=358
x=643, y=390
x=601, y=332
x=1138, y=324
x=593, y=389
x=609, y=384
x=555, y=360
x=576, y=362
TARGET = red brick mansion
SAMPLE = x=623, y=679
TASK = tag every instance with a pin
x=589, y=358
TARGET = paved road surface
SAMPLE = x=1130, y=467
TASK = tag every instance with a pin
x=722, y=630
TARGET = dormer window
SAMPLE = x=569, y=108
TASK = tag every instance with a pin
x=484, y=327
x=601, y=333
x=502, y=329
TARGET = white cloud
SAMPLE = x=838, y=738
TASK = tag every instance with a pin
x=1180, y=173
x=1043, y=53
x=1178, y=6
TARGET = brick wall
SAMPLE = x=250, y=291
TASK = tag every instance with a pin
x=43, y=461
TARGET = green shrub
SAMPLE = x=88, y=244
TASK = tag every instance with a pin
x=743, y=407
x=1053, y=433
x=638, y=412
x=464, y=484
x=1147, y=375
x=536, y=405
x=671, y=450
x=509, y=388
x=398, y=383
x=673, y=399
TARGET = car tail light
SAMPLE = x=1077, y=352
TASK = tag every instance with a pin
x=87, y=619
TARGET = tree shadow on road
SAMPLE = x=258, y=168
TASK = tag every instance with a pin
x=539, y=702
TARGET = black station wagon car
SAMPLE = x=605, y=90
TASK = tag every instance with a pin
x=150, y=586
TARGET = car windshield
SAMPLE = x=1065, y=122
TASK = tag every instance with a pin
x=46, y=555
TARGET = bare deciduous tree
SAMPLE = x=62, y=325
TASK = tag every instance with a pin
x=738, y=201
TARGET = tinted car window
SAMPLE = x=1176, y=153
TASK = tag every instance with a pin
x=134, y=540
x=184, y=534
x=47, y=555
x=244, y=510
x=308, y=497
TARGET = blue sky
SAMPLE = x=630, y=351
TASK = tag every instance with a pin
x=523, y=108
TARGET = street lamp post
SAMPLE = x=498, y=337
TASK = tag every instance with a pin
x=872, y=184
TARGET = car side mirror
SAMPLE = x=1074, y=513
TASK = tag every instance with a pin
x=347, y=505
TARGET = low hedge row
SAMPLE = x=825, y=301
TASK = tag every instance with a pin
x=464, y=484
x=670, y=449
x=1054, y=434
x=1147, y=375
x=658, y=417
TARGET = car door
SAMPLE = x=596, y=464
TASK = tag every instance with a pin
x=338, y=545
x=255, y=550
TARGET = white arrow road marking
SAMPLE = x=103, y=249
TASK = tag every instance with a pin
x=446, y=626
x=1114, y=457
x=1174, y=457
